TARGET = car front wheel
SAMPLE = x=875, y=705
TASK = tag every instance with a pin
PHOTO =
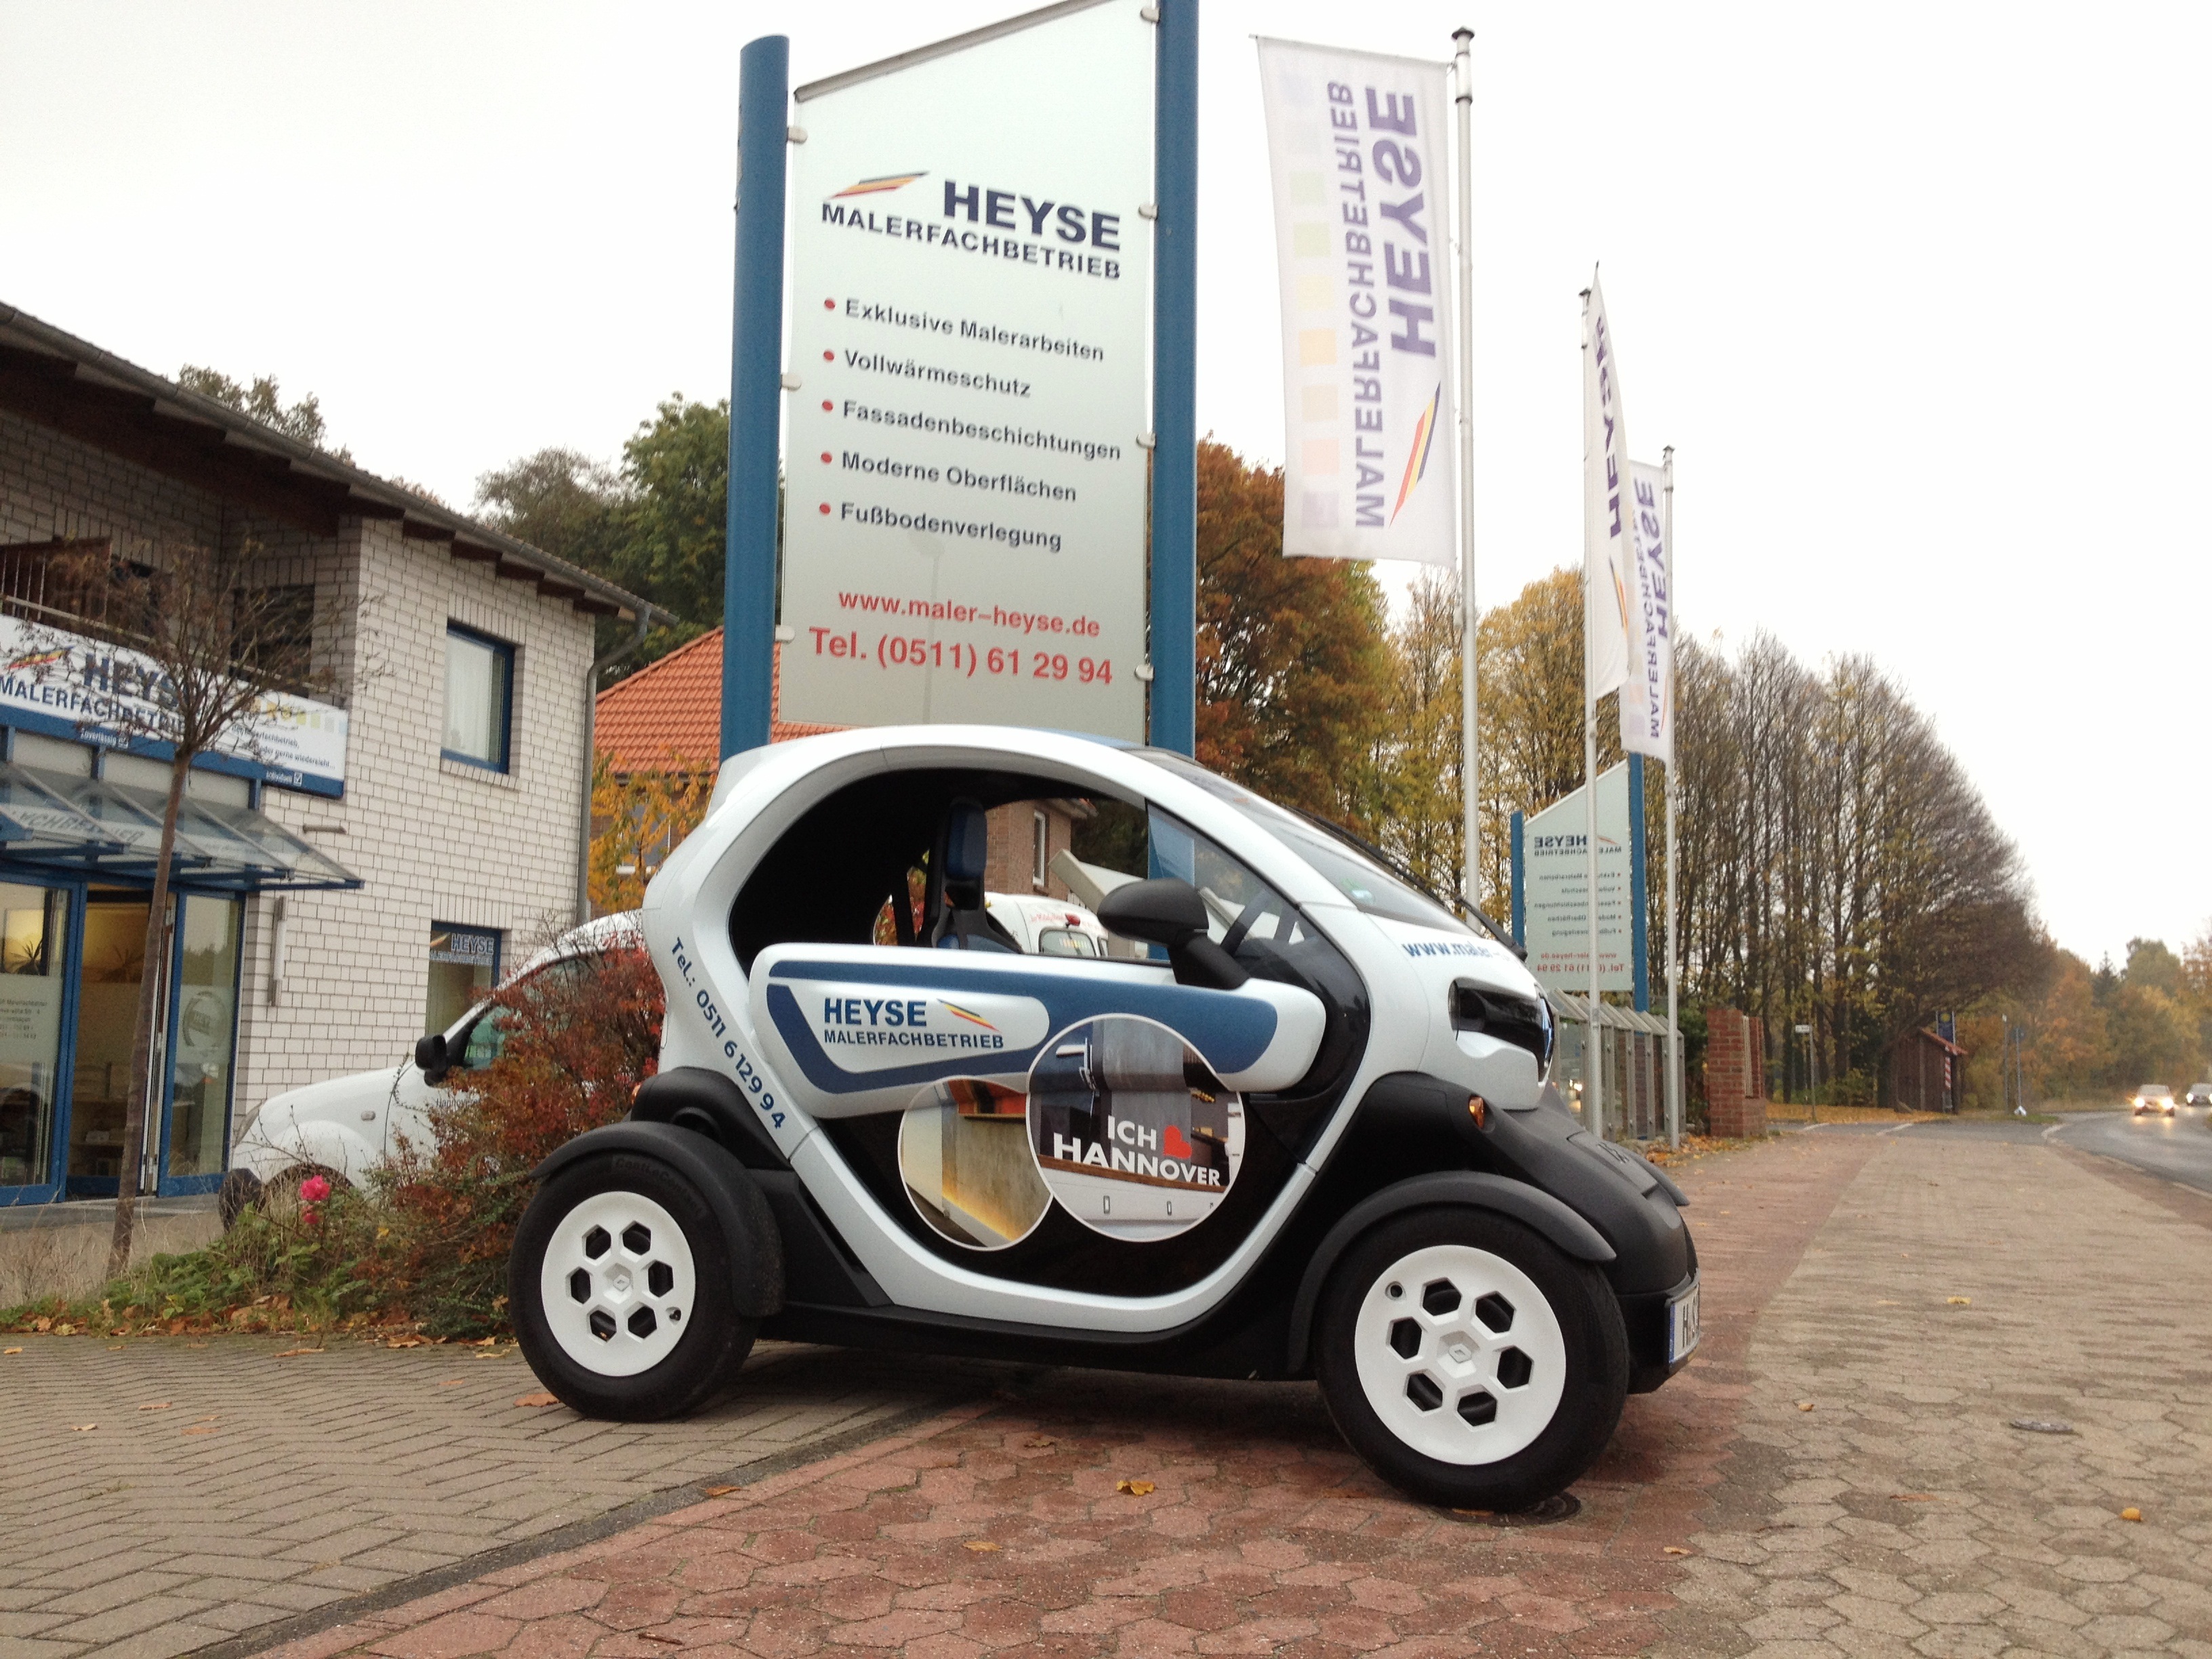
x=620, y=1285
x=1470, y=1362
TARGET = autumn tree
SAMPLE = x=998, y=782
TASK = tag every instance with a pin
x=656, y=523
x=1293, y=665
x=261, y=399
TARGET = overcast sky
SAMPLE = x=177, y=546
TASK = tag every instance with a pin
x=1911, y=288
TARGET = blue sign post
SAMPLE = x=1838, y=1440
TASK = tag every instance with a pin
x=1174, y=722
x=755, y=396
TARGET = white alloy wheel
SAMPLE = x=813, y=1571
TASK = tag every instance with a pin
x=616, y=1283
x=1458, y=1354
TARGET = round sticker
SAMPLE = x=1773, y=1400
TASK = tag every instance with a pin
x=1132, y=1132
x=966, y=1164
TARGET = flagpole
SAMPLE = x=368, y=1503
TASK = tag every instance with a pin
x=1470, y=778
x=1593, y=1044
x=1674, y=750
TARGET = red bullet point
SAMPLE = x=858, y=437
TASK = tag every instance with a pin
x=825, y=506
x=828, y=305
x=827, y=406
x=829, y=356
x=825, y=458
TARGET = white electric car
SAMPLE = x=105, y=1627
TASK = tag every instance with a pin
x=343, y=1127
x=1303, y=1127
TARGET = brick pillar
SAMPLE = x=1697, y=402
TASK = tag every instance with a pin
x=1735, y=1074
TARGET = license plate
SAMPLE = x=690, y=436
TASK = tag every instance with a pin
x=1682, y=1324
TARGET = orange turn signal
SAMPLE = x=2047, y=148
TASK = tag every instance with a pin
x=1478, y=1109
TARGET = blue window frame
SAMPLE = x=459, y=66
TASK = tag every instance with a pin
x=479, y=697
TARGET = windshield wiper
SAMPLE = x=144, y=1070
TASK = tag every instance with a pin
x=1371, y=851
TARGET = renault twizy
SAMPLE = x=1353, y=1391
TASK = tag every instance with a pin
x=1296, y=1122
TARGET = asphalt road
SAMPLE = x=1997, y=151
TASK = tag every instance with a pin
x=2178, y=1148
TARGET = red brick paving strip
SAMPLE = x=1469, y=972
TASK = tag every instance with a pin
x=1263, y=1533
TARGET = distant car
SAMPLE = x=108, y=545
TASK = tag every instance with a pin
x=2200, y=1094
x=342, y=1126
x=2153, y=1098
x=1048, y=927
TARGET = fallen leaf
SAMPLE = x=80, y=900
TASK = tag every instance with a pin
x=453, y=1381
x=405, y=1341
x=205, y=1428
x=1960, y=1301
x=115, y=1347
x=293, y=1353
x=1804, y=1405
x=981, y=1546
x=1035, y=1443
x=82, y=1428
x=2130, y=1515
x=541, y=1398
x=155, y=1405
x=720, y=1491
x=1135, y=1488
x=1912, y=1497
x=494, y=1356
x=1674, y=1549
x=2042, y=1425
x=11, y=1351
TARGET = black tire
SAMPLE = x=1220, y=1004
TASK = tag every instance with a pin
x=1549, y=1412
x=240, y=1191
x=692, y=1341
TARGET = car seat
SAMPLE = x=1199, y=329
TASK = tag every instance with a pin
x=963, y=924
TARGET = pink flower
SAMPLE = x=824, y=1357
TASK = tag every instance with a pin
x=313, y=1190
x=310, y=1217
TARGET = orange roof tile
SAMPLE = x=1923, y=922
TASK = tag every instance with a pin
x=668, y=716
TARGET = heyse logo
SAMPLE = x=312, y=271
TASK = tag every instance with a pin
x=876, y=187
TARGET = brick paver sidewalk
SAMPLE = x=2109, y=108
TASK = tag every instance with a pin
x=1002, y=1525
x=1898, y=1515
x=160, y=1494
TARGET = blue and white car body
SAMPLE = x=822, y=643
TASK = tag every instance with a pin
x=1232, y=1118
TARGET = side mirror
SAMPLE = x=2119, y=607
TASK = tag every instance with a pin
x=430, y=1056
x=1170, y=913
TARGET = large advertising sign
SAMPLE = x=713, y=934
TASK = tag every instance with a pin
x=1356, y=146
x=1551, y=888
x=85, y=689
x=965, y=475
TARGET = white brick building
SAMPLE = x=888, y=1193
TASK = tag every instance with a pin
x=459, y=860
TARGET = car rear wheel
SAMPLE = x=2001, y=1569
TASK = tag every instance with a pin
x=620, y=1285
x=1468, y=1361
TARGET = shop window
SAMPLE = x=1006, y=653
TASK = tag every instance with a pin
x=33, y=921
x=464, y=968
x=479, y=697
x=207, y=1018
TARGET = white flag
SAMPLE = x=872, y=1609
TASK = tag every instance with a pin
x=1606, y=519
x=1647, y=696
x=1356, y=146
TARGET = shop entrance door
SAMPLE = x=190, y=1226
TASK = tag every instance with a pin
x=34, y=987
x=111, y=973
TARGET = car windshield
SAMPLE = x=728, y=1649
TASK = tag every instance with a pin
x=1369, y=886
